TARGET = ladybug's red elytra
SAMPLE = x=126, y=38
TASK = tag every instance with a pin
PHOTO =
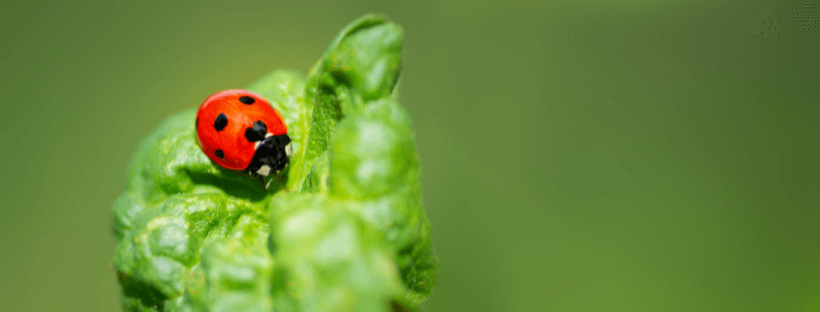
x=240, y=130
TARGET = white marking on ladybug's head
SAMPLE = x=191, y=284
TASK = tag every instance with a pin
x=268, y=135
x=263, y=171
x=288, y=150
x=256, y=145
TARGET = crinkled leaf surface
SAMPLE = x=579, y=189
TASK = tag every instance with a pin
x=342, y=230
x=362, y=64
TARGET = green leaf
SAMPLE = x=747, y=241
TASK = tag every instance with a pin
x=343, y=230
x=374, y=166
x=235, y=273
x=328, y=259
x=319, y=175
x=155, y=257
x=362, y=64
x=370, y=172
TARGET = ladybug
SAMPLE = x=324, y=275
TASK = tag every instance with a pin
x=240, y=130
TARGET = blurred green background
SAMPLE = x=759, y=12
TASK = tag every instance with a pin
x=601, y=155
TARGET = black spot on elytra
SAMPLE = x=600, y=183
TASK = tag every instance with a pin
x=219, y=153
x=247, y=100
x=221, y=122
x=257, y=132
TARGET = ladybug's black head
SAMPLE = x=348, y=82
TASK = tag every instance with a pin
x=272, y=155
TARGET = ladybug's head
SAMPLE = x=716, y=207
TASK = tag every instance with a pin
x=272, y=154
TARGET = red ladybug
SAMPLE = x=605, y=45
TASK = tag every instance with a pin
x=240, y=130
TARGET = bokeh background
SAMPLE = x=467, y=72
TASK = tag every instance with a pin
x=598, y=155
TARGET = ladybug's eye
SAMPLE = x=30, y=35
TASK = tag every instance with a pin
x=221, y=122
x=247, y=100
